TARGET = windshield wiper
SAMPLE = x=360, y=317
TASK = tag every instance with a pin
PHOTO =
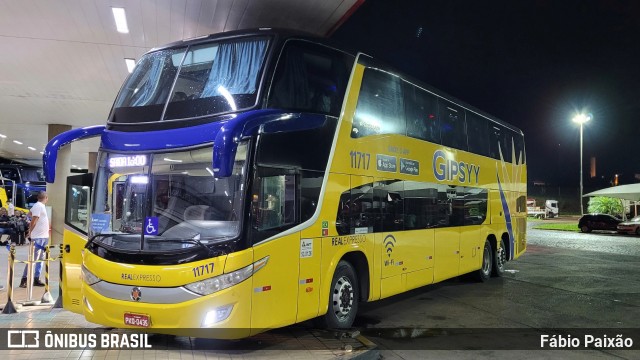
x=90, y=241
x=182, y=241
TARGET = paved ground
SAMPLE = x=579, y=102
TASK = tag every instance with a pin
x=603, y=241
x=20, y=295
x=575, y=283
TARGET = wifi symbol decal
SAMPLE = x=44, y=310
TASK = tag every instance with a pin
x=389, y=243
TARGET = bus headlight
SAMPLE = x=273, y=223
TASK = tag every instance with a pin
x=221, y=282
x=88, y=276
x=215, y=316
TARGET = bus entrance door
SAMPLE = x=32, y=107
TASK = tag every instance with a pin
x=78, y=195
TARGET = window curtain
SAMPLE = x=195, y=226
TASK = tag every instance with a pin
x=147, y=89
x=236, y=68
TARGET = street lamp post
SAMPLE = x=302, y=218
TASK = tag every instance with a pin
x=581, y=119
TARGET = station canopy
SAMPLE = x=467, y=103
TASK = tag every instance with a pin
x=627, y=192
x=64, y=61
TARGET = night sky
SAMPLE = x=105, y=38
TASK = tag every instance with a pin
x=533, y=64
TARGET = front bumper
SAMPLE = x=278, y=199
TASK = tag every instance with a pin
x=188, y=318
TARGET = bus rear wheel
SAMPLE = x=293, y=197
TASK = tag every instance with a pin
x=499, y=260
x=484, y=273
x=343, y=298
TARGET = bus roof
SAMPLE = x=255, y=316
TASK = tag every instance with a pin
x=285, y=34
x=281, y=34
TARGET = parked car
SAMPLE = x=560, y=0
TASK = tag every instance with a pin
x=630, y=227
x=591, y=222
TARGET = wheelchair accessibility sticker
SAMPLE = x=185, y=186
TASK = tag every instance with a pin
x=151, y=225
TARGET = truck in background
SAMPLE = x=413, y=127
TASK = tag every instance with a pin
x=550, y=209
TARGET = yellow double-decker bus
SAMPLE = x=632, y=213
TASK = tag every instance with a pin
x=255, y=179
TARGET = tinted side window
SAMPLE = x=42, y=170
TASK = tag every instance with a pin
x=356, y=212
x=475, y=206
x=500, y=142
x=521, y=204
x=421, y=110
x=387, y=195
x=380, y=109
x=310, y=184
x=452, y=125
x=310, y=77
x=518, y=141
x=394, y=205
x=276, y=202
x=420, y=205
x=11, y=174
x=478, y=134
x=272, y=150
x=450, y=205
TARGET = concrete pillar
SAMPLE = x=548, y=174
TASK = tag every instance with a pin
x=57, y=190
x=93, y=159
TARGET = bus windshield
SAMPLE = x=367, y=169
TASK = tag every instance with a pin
x=198, y=80
x=171, y=198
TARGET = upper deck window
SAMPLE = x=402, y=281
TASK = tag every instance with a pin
x=200, y=80
x=310, y=77
x=32, y=174
x=11, y=174
x=380, y=108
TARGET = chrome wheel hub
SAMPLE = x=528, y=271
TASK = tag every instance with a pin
x=502, y=258
x=486, y=261
x=342, y=298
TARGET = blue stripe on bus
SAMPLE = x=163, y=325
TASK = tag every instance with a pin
x=507, y=216
x=228, y=128
x=224, y=134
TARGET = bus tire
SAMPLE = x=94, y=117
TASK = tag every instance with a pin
x=343, y=298
x=484, y=273
x=499, y=260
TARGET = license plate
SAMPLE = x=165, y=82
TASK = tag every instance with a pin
x=136, y=320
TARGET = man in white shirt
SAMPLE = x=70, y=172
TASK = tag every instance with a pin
x=39, y=234
x=10, y=208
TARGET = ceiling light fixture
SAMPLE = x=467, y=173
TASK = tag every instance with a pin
x=131, y=63
x=17, y=142
x=121, y=20
x=31, y=148
x=3, y=136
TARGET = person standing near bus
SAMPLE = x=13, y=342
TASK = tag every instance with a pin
x=39, y=234
x=10, y=208
x=5, y=224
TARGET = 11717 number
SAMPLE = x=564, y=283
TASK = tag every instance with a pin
x=203, y=270
x=360, y=160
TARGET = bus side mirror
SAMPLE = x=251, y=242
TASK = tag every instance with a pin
x=53, y=146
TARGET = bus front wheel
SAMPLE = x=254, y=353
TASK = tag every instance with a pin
x=343, y=298
x=484, y=273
